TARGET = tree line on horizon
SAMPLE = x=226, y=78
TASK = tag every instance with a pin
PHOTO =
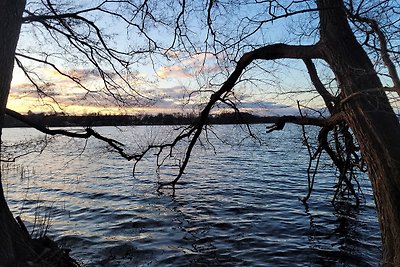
x=57, y=120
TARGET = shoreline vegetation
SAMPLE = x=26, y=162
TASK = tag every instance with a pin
x=57, y=120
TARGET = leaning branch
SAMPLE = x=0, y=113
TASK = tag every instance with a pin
x=269, y=52
x=89, y=132
x=385, y=54
x=299, y=120
x=303, y=120
x=373, y=24
x=328, y=98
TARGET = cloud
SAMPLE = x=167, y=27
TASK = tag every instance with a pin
x=169, y=100
x=190, y=67
x=175, y=71
x=269, y=108
x=173, y=97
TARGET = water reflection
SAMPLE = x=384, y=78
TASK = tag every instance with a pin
x=342, y=237
x=237, y=208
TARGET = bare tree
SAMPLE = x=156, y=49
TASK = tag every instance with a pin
x=357, y=41
x=61, y=36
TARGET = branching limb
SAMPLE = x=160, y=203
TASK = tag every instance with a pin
x=373, y=24
x=232, y=105
x=77, y=32
x=89, y=132
x=10, y=153
x=209, y=19
x=328, y=98
x=299, y=120
x=39, y=89
x=312, y=156
x=340, y=149
x=269, y=52
x=344, y=156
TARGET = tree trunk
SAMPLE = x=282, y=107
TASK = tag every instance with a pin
x=371, y=118
x=15, y=245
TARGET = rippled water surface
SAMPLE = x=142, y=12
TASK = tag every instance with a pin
x=237, y=205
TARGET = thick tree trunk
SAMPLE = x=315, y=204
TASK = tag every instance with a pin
x=370, y=116
x=15, y=246
x=10, y=26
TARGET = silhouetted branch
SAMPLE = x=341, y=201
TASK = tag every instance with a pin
x=299, y=120
x=328, y=98
x=269, y=52
x=384, y=51
x=88, y=132
x=312, y=156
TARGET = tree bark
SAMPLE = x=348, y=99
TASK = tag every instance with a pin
x=371, y=118
x=10, y=26
x=15, y=245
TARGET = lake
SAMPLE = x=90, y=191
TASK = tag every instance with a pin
x=237, y=205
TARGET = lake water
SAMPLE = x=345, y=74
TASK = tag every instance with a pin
x=237, y=205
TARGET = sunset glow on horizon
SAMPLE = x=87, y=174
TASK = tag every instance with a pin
x=172, y=89
x=70, y=79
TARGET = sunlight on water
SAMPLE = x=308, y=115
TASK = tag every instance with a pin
x=238, y=206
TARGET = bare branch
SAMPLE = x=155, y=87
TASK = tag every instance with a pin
x=52, y=65
x=88, y=132
x=373, y=24
x=209, y=19
x=299, y=120
x=366, y=91
x=312, y=156
x=38, y=88
x=328, y=98
x=269, y=52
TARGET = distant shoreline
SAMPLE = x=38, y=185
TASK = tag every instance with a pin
x=131, y=120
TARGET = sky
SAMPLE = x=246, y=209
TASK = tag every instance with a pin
x=175, y=91
x=169, y=83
